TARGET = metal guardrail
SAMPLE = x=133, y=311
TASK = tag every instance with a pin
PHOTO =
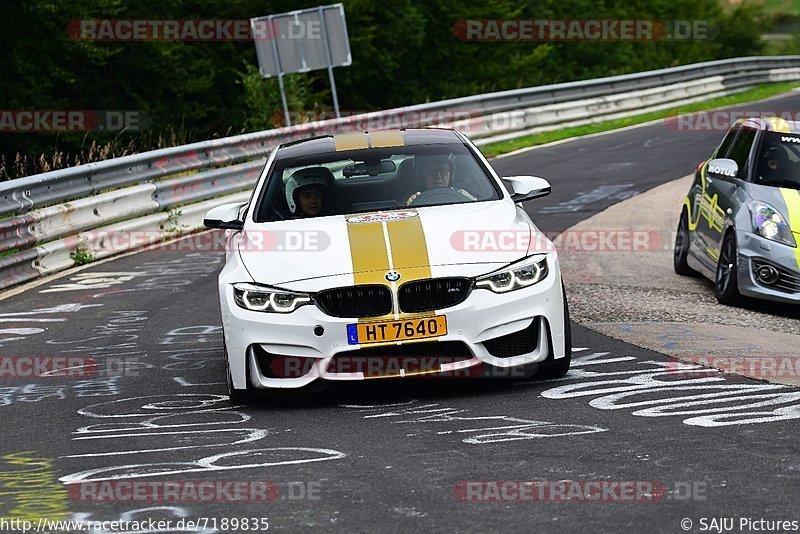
x=46, y=210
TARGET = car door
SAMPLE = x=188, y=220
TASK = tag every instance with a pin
x=700, y=199
x=720, y=193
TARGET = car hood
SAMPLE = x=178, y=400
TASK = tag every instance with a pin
x=454, y=240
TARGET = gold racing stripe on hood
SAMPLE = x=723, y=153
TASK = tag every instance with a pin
x=370, y=258
x=381, y=246
x=368, y=253
x=409, y=253
x=409, y=248
x=792, y=199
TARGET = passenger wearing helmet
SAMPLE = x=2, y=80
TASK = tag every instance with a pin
x=305, y=193
x=436, y=172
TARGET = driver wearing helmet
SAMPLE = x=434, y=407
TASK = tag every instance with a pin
x=437, y=172
x=776, y=165
x=305, y=193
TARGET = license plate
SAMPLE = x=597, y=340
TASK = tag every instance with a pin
x=383, y=331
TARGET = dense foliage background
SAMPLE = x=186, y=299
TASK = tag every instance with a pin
x=404, y=52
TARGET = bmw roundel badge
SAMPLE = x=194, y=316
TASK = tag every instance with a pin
x=392, y=276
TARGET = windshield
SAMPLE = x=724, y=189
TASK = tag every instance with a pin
x=356, y=181
x=779, y=160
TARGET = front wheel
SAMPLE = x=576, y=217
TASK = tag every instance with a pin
x=682, y=247
x=726, y=287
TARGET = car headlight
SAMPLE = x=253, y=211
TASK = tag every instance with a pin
x=523, y=274
x=257, y=298
x=770, y=224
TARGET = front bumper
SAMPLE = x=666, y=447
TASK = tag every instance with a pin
x=755, y=250
x=482, y=317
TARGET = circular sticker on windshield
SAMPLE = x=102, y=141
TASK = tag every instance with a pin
x=381, y=216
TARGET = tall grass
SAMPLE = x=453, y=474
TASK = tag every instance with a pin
x=29, y=164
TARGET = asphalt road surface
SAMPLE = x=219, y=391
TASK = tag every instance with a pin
x=389, y=456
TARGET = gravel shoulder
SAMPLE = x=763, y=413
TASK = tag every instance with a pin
x=625, y=287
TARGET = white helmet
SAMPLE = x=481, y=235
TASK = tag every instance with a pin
x=302, y=178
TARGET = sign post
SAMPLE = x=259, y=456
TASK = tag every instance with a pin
x=301, y=41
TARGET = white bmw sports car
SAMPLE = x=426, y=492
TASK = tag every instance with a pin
x=387, y=254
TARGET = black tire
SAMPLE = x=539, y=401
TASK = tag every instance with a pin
x=726, y=285
x=552, y=368
x=682, y=247
x=238, y=397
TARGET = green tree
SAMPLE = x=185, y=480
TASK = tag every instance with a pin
x=403, y=53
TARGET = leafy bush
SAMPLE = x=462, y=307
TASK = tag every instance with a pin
x=404, y=52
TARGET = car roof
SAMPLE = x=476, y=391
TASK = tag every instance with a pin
x=770, y=124
x=366, y=140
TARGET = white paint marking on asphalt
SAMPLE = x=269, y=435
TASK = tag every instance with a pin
x=90, y=522
x=614, y=192
x=486, y=429
x=709, y=401
x=165, y=418
x=92, y=280
x=206, y=465
x=252, y=434
x=185, y=383
x=597, y=359
x=31, y=320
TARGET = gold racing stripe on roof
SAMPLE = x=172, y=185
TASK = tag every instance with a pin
x=779, y=125
x=386, y=138
x=350, y=141
x=362, y=140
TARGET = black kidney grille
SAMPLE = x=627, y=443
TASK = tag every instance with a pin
x=355, y=301
x=433, y=294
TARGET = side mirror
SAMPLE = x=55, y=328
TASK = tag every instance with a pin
x=526, y=187
x=225, y=217
x=722, y=168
